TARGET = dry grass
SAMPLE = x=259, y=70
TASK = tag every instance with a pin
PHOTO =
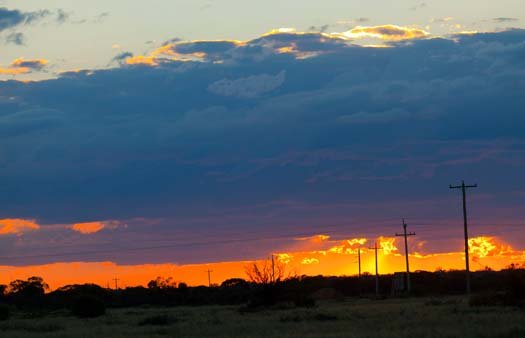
x=417, y=318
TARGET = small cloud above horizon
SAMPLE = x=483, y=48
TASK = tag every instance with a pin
x=24, y=66
x=16, y=226
x=90, y=228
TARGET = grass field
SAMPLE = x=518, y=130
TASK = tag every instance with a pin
x=417, y=318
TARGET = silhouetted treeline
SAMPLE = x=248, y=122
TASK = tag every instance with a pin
x=508, y=286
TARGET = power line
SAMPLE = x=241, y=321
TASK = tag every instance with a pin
x=166, y=246
x=332, y=232
x=191, y=244
x=464, y=188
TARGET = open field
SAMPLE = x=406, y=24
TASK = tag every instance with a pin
x=417, y=318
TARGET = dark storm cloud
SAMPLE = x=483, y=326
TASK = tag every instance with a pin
x=121, y=57
x=12, y=18
x=275, y=139
x=36, y=64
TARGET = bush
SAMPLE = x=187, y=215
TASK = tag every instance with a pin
x=323, y=317
x=4, y=312
x=304, y=301
x=486, y=299
x=158, y=320
x=88, y=307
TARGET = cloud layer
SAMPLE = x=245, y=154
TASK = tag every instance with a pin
x=286, y=130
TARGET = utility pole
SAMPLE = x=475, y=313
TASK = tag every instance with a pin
x=359, y=262
x=464, y=188
x=273, y=269
x=406, y=235
x=116, y=283
x=375, y=248
x=209, y=277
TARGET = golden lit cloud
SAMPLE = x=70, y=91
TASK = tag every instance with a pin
x=346, y=247
x=284, y=258
x=484, y=246
x=388, y=245
x=14, y=71
x=14, y=226
x=29, y=63
x=24, y=66
x=308, y=261
x=94, y=227
x=314, y=239
x=281, y=40
x=386, y=32
x=88, y=228
x=276, y=31
x=179, y=51
x=142, y=60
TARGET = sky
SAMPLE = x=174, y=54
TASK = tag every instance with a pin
x=172, y=136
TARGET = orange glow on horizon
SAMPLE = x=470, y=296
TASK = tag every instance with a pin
x=330, y=258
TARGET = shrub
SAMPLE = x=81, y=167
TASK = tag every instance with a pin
x=88, y=307
x=486, y=299
x=295, y=318
x=323, y=317
x=158, y=320
x=4, y=312
x=304, y=301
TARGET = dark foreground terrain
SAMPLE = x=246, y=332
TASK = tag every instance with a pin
x=415, y=317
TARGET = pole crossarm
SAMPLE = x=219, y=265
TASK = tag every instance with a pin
x=408, y=234
x=461, y=186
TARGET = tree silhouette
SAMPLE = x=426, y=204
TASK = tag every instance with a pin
x=266, y=272
x=234, y=282
x=162, y=283
x=30, y=292
x=33, y=286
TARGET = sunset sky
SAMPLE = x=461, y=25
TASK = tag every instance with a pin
x=166, y=138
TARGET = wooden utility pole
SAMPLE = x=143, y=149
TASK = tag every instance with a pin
x=375, y=248
x=359, y=262
x=464, y=188
x=406, y=235
x=116, y=283
x=209, y=277
x=273, y=269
